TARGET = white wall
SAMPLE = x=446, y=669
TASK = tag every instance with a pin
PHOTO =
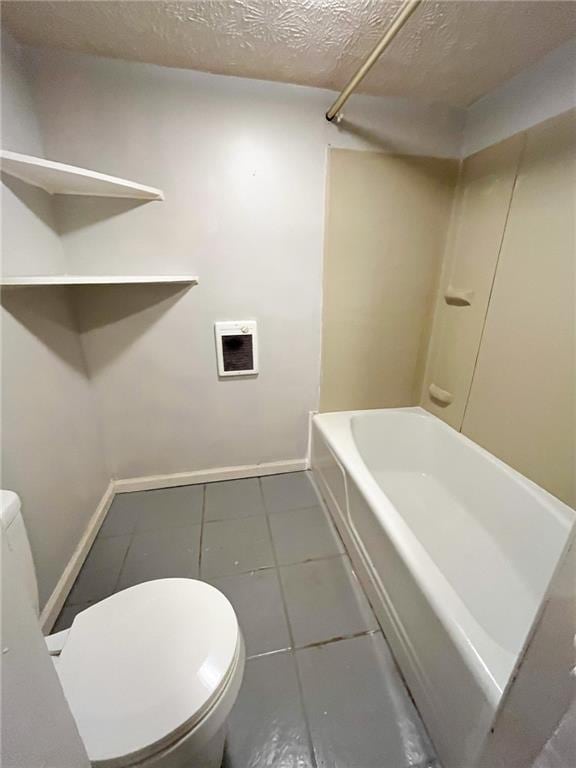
x=242, y=164
x=27, y=213
x=20, y=129
x=51, y=448
x=544, y=90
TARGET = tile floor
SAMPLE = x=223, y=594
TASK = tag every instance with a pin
x=320, y=689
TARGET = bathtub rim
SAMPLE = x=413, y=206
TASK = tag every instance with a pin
x=492, y=665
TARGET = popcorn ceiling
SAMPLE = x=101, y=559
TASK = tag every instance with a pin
x=451, y=52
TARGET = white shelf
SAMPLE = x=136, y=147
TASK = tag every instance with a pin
x=60, y=179
x=43, y=280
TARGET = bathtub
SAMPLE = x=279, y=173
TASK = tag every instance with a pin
x=456, y=551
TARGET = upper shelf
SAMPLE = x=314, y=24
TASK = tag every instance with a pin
x=40, y=280
x=61, y=179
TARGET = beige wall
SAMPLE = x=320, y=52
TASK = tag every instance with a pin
x=52, y=454
x=482, y=202
x=522, y=400
x=386, y=223
x=509, y=358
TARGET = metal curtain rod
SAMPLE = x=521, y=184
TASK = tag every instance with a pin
x=399, y=20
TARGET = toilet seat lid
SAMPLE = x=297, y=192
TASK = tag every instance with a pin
x=142, y=667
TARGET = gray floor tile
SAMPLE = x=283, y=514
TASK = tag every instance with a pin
x=121, y=517
x=151, y=510
x=257, y=600
x=358, y=709
x=304, y=534
x=266, y=728
x=162, y=554
x=169, y=507
x=236, y=546
x=233, y=498
x=67, y=616
x=324, y=601
x=353, y=695
x=290, y=491
x=100, y=571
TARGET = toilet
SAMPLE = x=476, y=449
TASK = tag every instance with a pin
x=150, y=673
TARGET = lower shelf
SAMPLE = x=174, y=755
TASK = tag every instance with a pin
x=43, y=280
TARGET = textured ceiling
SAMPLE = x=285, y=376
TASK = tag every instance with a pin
x=451, y=52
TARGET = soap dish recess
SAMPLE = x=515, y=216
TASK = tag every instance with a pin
x=440, y=396
x=456, y=297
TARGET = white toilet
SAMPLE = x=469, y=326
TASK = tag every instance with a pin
x=150, y=673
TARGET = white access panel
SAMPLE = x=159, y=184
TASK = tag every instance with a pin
x=237, y=347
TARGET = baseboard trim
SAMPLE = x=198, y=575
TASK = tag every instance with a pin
x=154, y=482
x=58, y=597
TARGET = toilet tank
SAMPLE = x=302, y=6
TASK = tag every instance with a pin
x=14, y=530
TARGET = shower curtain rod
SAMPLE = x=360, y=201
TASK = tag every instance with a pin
x=399, y=20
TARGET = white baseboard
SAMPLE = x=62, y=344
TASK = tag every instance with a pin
x=153, y=482
x=150, y=482
x=56, y=600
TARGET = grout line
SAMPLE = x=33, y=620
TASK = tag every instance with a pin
x=291, y=636
x=262, y=569
x=296, y=509
x=138, y=532
x=269, y=653
x=332, y=640
x=233, y=519
x=117, y=582
x=319, y=644
x=314, y=560
x=278, y=566
x=202, y=522
x=266, y=512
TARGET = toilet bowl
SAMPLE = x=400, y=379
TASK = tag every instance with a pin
x=150, y=673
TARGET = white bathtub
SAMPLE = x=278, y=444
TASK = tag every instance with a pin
x=456, y=551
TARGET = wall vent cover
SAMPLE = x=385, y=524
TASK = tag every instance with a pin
x=237, y=347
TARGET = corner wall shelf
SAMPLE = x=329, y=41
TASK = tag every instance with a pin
x=60, y=179
x=72, y=280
